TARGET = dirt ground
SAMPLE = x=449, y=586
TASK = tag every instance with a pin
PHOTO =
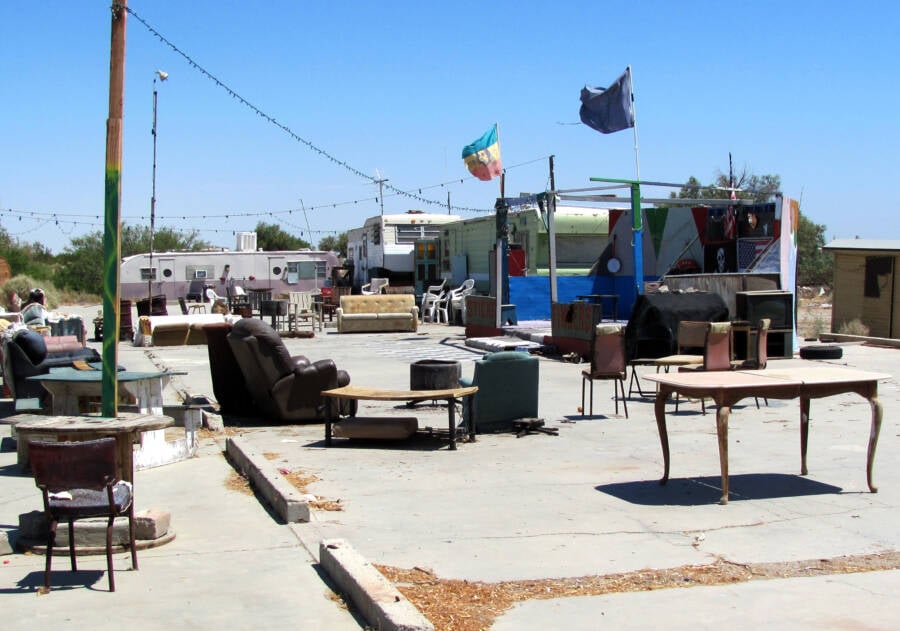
x=813, y=312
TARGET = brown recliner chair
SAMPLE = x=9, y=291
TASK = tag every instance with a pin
x=229, y=386
x=283, y=388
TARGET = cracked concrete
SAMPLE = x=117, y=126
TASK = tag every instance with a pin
x=588, y=502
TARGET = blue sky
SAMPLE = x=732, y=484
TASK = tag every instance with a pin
x=805, y=90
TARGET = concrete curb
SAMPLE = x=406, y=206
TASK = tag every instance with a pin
x=286, y=500
x=381, y=604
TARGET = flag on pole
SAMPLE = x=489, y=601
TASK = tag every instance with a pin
x=611, y=109
x=482, y=157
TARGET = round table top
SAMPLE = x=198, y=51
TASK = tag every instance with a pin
x=381, y=394
x=96, y=424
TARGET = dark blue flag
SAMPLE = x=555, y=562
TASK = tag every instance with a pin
x=611, y=109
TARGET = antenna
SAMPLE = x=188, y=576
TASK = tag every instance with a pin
x=380, y=182
x=305, y=216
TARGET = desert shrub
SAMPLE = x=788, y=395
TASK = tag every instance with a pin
x=854, y=327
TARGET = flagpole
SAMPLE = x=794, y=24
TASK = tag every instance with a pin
x=502, y=171
x=637, y=225
x=498, y=250
x=637, y=161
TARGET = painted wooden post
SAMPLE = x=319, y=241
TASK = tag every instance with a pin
x=112, y=247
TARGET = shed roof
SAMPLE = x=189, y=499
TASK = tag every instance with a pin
x=864, y=244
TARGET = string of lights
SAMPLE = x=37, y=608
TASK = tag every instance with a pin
x=68, y=222
x=310, y=145
x=40, y=220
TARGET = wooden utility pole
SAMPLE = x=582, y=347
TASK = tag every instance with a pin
x=112, y=247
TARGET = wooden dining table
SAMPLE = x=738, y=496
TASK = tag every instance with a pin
x=728, y=387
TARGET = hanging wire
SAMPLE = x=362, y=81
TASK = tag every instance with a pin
x=256, y=110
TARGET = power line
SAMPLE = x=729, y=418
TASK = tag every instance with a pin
x=310, y=145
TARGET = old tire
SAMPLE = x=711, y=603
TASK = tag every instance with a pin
x=825, y=351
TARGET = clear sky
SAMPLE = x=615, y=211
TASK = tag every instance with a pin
x=805, y=90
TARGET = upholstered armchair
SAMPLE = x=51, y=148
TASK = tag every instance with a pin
x=283, y=388
x=229, y=386
x=507, y=390
x=26, y=355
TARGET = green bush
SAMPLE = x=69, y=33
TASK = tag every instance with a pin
x=23, y=285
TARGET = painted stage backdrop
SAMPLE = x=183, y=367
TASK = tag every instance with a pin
x=676, y=240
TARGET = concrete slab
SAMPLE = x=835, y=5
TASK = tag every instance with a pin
x=584, y=502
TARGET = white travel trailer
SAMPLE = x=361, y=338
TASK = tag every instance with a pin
x=384, y=247
x=176, y=274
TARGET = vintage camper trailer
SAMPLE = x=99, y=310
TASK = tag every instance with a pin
x=384, y=246
x=174, y=273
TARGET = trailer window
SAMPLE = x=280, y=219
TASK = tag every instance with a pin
x=305, y=270
x=198, y=272
x=148, y=273
x=409, y=233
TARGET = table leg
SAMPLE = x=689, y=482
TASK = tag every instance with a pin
x=873, y=441
x=125, y=447
x=451, y=413
x=804, y=433
x=634, y=381
x=64, y=399
x=722, y=432
x=471, y=425
x=660, y=409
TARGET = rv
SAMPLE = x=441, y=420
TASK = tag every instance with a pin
x=177, y=274
x=385, y=247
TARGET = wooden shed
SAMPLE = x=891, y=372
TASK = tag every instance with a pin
x=866, y=285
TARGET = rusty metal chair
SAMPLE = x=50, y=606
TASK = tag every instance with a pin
x=607, y=362
x=80, y=480
x=717, y=353
x=761, y=359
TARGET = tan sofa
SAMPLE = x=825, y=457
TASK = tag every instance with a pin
x=383, y=312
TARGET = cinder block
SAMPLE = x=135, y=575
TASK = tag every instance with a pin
x=151, y=524
x=213, y=422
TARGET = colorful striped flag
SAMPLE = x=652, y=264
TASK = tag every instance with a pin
x=482, y=157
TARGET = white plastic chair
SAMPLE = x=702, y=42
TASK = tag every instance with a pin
x=213, y=298
x=442, y=307
x=374, y=286
x=429, y=300
x=458, y=298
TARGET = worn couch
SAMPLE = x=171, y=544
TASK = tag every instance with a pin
x=26, y=354
x=283, y=388
x=175, y=330
x=388, y=312
x=507, y=390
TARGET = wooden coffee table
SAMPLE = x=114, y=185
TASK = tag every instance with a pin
x=357, y=393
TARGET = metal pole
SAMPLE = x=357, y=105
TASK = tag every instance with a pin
x=551, y=235
x=152, y=208
x=112, y=245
